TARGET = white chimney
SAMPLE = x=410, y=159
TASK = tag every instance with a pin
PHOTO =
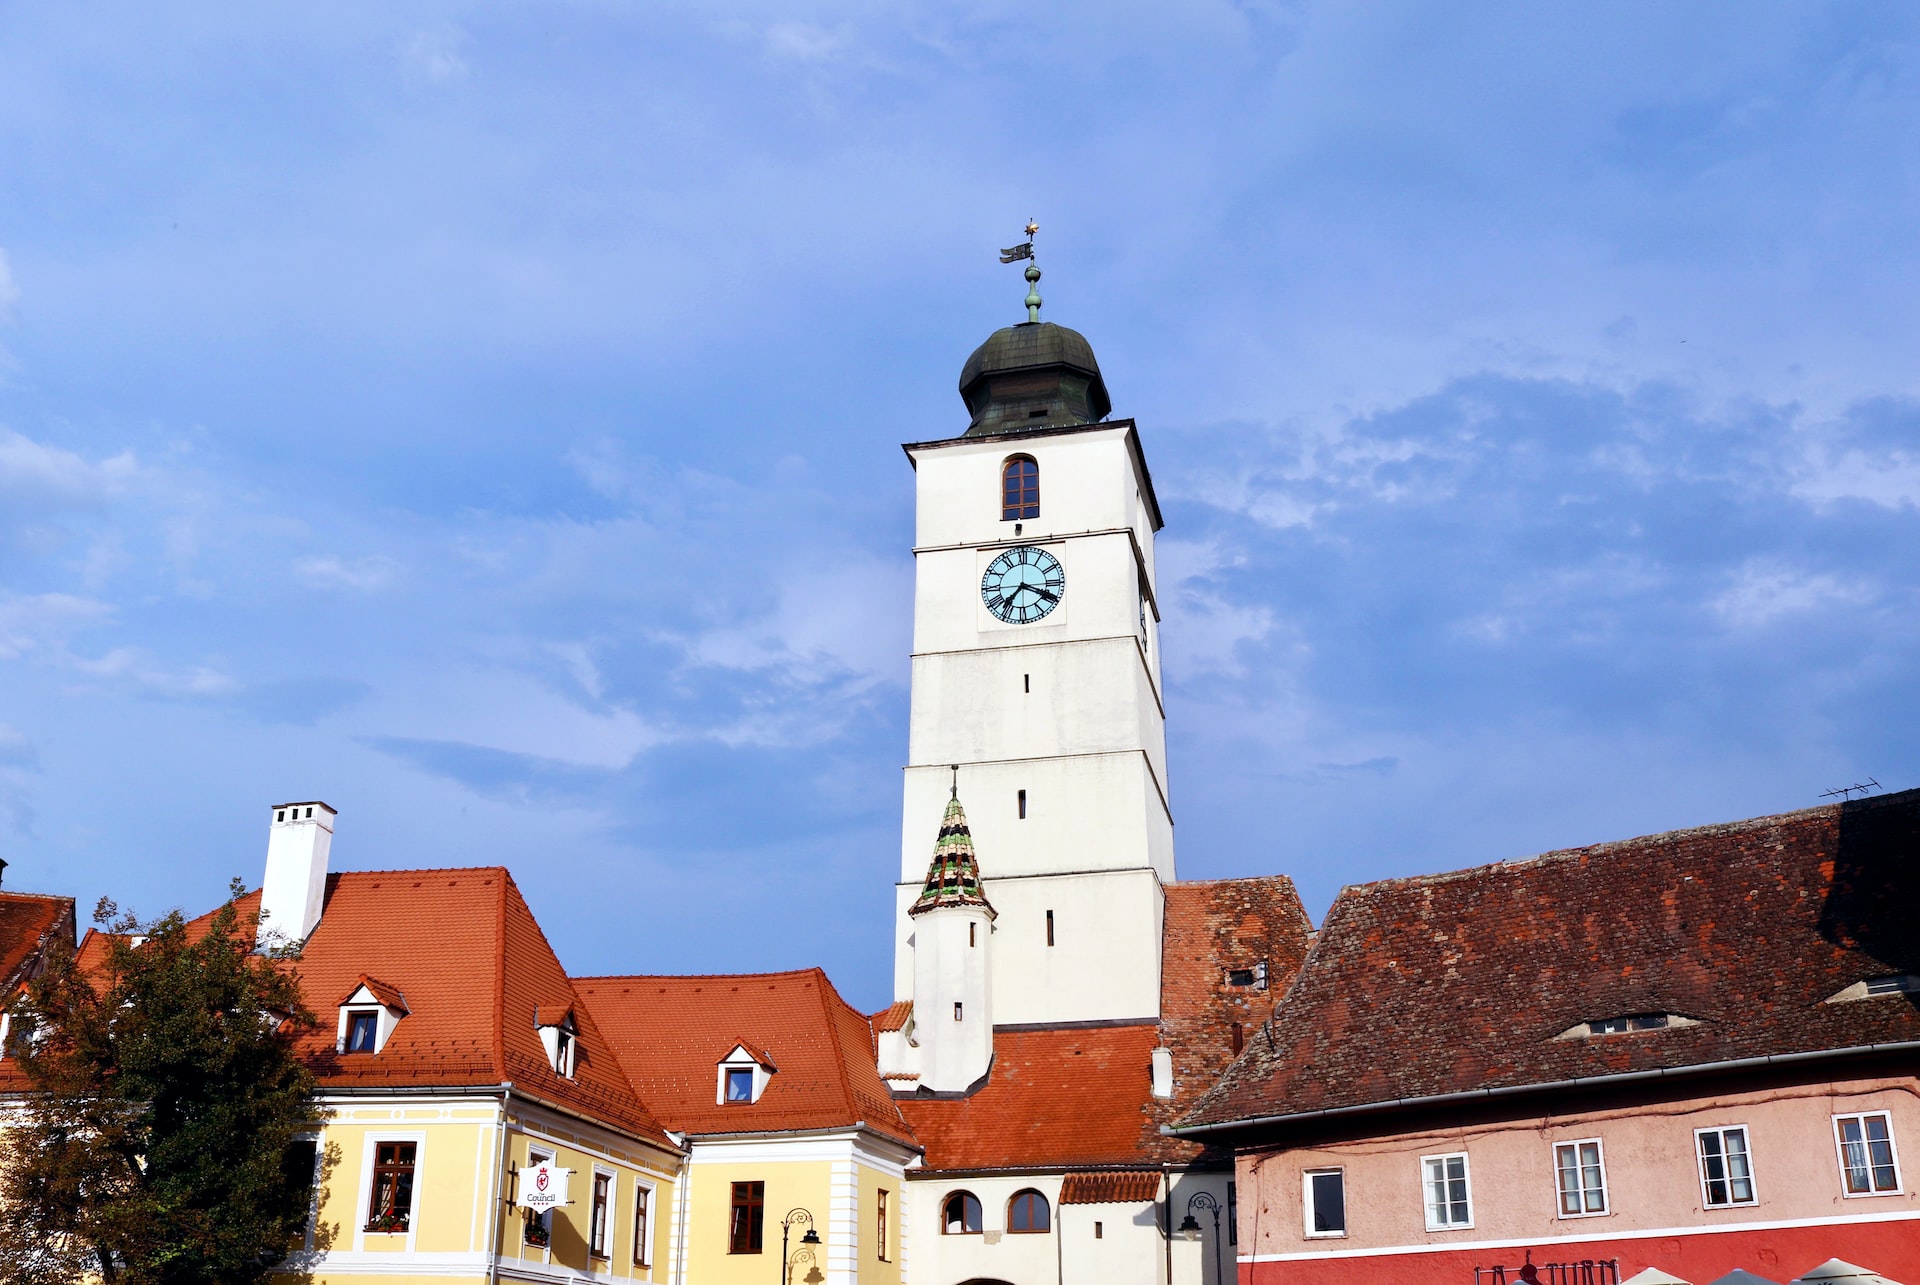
x=298, y=840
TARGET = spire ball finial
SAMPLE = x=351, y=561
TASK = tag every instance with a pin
x=1033, y=293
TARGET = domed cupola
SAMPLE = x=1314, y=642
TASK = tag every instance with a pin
x=1035, y=375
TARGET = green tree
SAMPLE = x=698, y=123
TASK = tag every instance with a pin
x=154, y=1144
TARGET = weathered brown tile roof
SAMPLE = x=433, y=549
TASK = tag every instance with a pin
x=29, y=924
x=1213, y=928
x=1460, y=982
x=1112, y=1187
x=671, y=1032
x=953, y=876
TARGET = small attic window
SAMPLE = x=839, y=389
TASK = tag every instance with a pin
x=1255, y=977
x=743, y=1076
x=1625, y=1024
x=561, y=1038
x=1878, y=987
x=368, y=1015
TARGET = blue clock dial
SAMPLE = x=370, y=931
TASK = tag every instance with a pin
x=1023, y=585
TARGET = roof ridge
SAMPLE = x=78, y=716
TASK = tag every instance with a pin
x=500, y=977
x=827, y=989
x=1610, y=847
x=37, y=896
x=693, y=977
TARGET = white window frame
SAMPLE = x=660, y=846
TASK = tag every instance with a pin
x=1306, y=1202
x=643, y=1193
x=1700, y=1164
x=1606, y=1195
x=612, y=1226
x=1466, y=1176
x=741, y=1058
x=1840, y=1154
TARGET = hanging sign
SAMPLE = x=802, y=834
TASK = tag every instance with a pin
x=543, y=1186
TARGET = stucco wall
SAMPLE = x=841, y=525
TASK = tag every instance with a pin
x=1652, y=1178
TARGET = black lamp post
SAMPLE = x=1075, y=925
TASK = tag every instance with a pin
x=1205, y=1200
x=795, y=1217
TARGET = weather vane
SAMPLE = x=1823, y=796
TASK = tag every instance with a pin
x=1013, y=254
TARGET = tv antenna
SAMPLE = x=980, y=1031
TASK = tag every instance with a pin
x=1845, y=792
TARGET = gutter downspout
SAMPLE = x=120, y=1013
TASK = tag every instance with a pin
x=1059, y=1243
x=683, y=1202
x=499, y=1166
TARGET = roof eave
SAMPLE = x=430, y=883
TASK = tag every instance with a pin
x=1549, y=1086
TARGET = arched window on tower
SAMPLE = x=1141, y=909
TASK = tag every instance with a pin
x=1028, y=1211
x=960, y=1214
x=1019, y=489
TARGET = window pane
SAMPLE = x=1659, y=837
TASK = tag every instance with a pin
x=1739, y=1172
x=1329, y=1196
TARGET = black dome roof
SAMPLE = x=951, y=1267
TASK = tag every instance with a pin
x=1035, y=375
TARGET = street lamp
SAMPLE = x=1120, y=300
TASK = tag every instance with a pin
x=793, y=1219
x=1205, y=1200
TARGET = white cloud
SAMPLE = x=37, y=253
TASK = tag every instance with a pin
x=38, y=625
x=515, y=713
x=364, y=575
x=34, y=473
x=436, y=55
x=1764, y=592
x=9, y=289
x=1891, y=480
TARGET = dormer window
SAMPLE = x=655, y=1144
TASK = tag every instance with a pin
x=561, y=1039
x=368, y=1016
x=1879, y=987
x=743, y=1075
x=1625, y=1024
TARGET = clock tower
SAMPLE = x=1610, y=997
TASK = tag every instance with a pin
x=1036, y=673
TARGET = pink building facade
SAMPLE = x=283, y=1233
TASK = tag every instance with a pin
x=1696, y=1052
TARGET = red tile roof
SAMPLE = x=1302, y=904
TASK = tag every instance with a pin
x=1054, y=1099
x=387, y=996
x=893, y=1017
x=1126, y=1186
x=1077, y=1096
x=473, y=964
x=29, y=924
x=671, y=1032
x=1455, y=982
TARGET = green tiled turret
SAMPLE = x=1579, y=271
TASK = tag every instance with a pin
x=954, y=877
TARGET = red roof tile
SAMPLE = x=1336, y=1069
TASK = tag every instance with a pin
x=1126, y=1186
x=388, y=996
x=671, y=1032
x=893, y=1017
x=1446, y=983
x=1053, y=1099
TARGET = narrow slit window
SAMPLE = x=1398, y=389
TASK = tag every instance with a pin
x=1026, y=682
x=1019, y=489
x=956, y=1010
x=1049, y=928
x=973, y=934
x=1023, y=805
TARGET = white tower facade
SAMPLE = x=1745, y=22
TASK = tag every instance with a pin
x=1036, y=672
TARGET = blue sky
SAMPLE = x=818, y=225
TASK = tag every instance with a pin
x=446, y=410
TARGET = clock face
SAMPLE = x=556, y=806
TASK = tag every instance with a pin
x=1023, y=585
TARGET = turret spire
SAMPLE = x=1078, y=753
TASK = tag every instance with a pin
x=953, y=878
